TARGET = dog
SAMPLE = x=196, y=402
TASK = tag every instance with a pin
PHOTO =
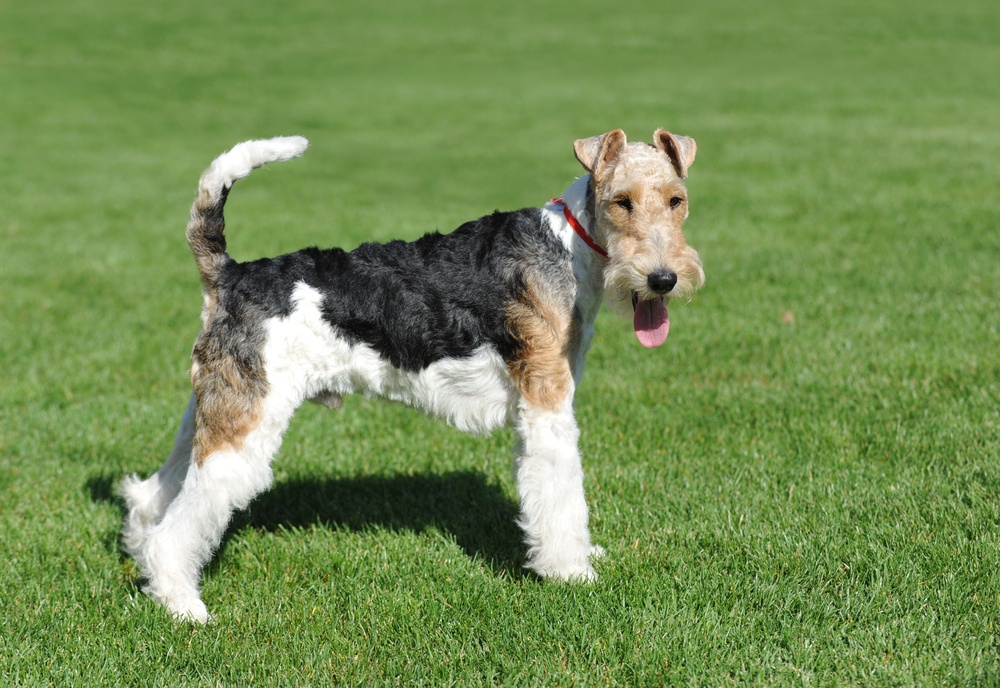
x=483, y=327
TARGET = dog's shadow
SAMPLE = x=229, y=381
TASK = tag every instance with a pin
x=477, y=514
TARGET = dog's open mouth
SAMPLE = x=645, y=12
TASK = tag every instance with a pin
x=650, y=320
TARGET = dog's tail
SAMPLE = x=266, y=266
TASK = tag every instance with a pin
x=205, y=227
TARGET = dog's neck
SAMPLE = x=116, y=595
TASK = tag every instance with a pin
x=588, y=265
x=579, y=199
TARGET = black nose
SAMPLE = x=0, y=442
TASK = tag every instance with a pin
x=662, y=282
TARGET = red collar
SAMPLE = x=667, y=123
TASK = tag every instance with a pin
x=578, y=228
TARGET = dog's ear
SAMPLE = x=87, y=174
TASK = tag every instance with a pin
x=680, y=150
x=598, y=152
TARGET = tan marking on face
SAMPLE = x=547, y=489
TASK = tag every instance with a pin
x=548, y=337
x=640, y=208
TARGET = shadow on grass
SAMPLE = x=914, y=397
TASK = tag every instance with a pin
x=463, y=504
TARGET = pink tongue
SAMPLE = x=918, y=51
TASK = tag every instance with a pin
x=651, y=322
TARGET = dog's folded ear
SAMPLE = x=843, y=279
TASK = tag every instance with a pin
x=680, y=149
x=598, y=152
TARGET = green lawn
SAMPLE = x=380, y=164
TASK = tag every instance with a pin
x=802, y=487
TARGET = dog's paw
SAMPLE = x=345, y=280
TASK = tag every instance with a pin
x=574, y=573
x=583, y=574
x=186, y=608
x=596, y=552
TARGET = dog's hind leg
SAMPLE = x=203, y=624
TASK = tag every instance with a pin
x=226, y=472
x=177, y=548
x=147, y=500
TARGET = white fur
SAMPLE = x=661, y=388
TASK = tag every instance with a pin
x=550, y=487
x=185, y=516
x=244, y=158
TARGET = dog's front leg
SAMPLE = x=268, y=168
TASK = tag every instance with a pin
x=550, y=486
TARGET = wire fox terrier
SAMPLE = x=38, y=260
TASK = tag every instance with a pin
x=484, y=327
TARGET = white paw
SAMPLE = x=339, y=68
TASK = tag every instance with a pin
x=192, y=610
x=596, y=552
x=183, y=602
x=578, y=573
x=585, y=574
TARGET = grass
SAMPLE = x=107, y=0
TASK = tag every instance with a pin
x=801, y=488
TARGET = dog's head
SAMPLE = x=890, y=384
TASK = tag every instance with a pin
x=639, y=206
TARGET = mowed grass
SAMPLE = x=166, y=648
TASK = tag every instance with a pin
x=801, y=487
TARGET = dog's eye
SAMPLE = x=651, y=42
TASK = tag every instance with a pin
x=676, y=201
x=624, y=202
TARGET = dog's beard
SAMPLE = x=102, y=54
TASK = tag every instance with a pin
x=627, y=293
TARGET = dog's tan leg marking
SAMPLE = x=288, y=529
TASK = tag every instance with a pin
x=544, y=329
x=229, y=402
